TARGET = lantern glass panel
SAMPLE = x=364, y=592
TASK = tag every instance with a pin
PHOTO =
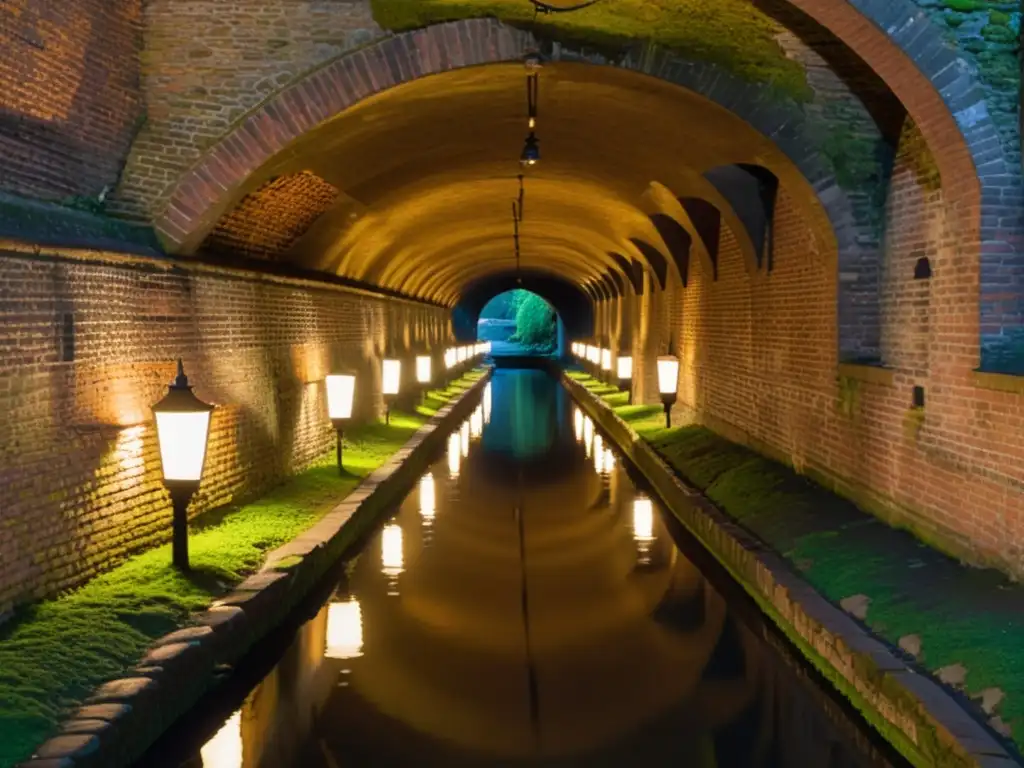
x=340, y=393
x=182, y=437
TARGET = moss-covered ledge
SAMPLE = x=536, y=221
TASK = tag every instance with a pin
x=920, y=718
x=124, y=716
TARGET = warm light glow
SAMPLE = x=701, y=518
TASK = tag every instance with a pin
x=428, y=497
x=487, y=403
x=476, y=423
x=454, y=454
x=464, y=438
x=593, y=354
x=340, y=393
x=423, y=369
x=643, y=520
x=588, y=434
x=577, y=423
x=598, y=450
x=344, y=630
x=392, y=558
x=460, y=354
x=225, y=750
x=182, y=439
x=625, y=367
x=449, y=357
x=609, y=460
x=668, y=375
x=606, y=359
x=392, y=376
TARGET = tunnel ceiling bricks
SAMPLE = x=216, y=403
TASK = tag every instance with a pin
x=208, y=190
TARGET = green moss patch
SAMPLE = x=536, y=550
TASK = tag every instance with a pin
x=729, y=33
x=55, y=653
x=962, y=615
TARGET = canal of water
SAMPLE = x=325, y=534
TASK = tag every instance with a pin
x=528, y=604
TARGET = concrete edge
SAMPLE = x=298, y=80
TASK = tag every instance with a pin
x=911, y=710
x=123, y=717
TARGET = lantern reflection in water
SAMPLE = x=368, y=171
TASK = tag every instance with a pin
x=464, y=437
x=577, y=423
x=487, y=403
x=598, y=451
x=428, y=497
x=344, y=630
x=476, y=423
x=392, y=557
x=588, y=434
x=643, y=528
x=609, y=460
x=454, y=454
x=225, y=749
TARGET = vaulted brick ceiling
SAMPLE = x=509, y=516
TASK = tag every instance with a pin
x=427, y=174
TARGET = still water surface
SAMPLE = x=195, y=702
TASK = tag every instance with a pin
x=528, y=605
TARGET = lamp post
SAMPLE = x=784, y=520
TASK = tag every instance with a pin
x=423, y=373
x=392, y=375
x=668, y=384
x=341, y=390
x=625, y=375
x=182, y=430
x=606, y=364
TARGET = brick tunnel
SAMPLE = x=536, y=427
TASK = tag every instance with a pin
x=814, y=204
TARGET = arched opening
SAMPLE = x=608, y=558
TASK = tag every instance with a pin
x=519, y=322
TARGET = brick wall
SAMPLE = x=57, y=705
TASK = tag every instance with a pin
x=69, y=94
x=86, y=348
x=759, y=364
x=208, y=62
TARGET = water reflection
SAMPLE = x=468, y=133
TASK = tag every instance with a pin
x=454, y=455
x=344, y=630
x=526, y=636
x=392, y=556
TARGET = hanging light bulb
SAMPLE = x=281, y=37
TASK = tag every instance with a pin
x=531, y=151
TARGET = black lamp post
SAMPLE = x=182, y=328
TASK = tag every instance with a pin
x=340, y=394
x=668, y=384
x=182, y=430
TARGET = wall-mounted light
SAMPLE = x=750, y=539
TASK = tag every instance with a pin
x=668, y=384
x=340, y=394
x=182, y=430
x=392, y=375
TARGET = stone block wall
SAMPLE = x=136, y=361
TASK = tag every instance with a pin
x=88, y=344
x=70, y=96
x=207, y=62
x=759, y=364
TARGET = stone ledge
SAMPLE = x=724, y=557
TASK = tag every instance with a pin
x=999, y=382
x=180, y=667
x=919, y=717
x=872, y=374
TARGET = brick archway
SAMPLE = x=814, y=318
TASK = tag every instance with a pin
x=937, y=95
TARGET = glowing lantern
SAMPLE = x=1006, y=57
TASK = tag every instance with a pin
x=668, y=382
x=423, y=369
x=182, y=429
x=340, y=394
x=392, y=373
x=454, y=454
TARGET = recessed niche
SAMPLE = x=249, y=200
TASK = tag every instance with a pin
x=922, y=269
x=67, y=338
x=918, y=397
